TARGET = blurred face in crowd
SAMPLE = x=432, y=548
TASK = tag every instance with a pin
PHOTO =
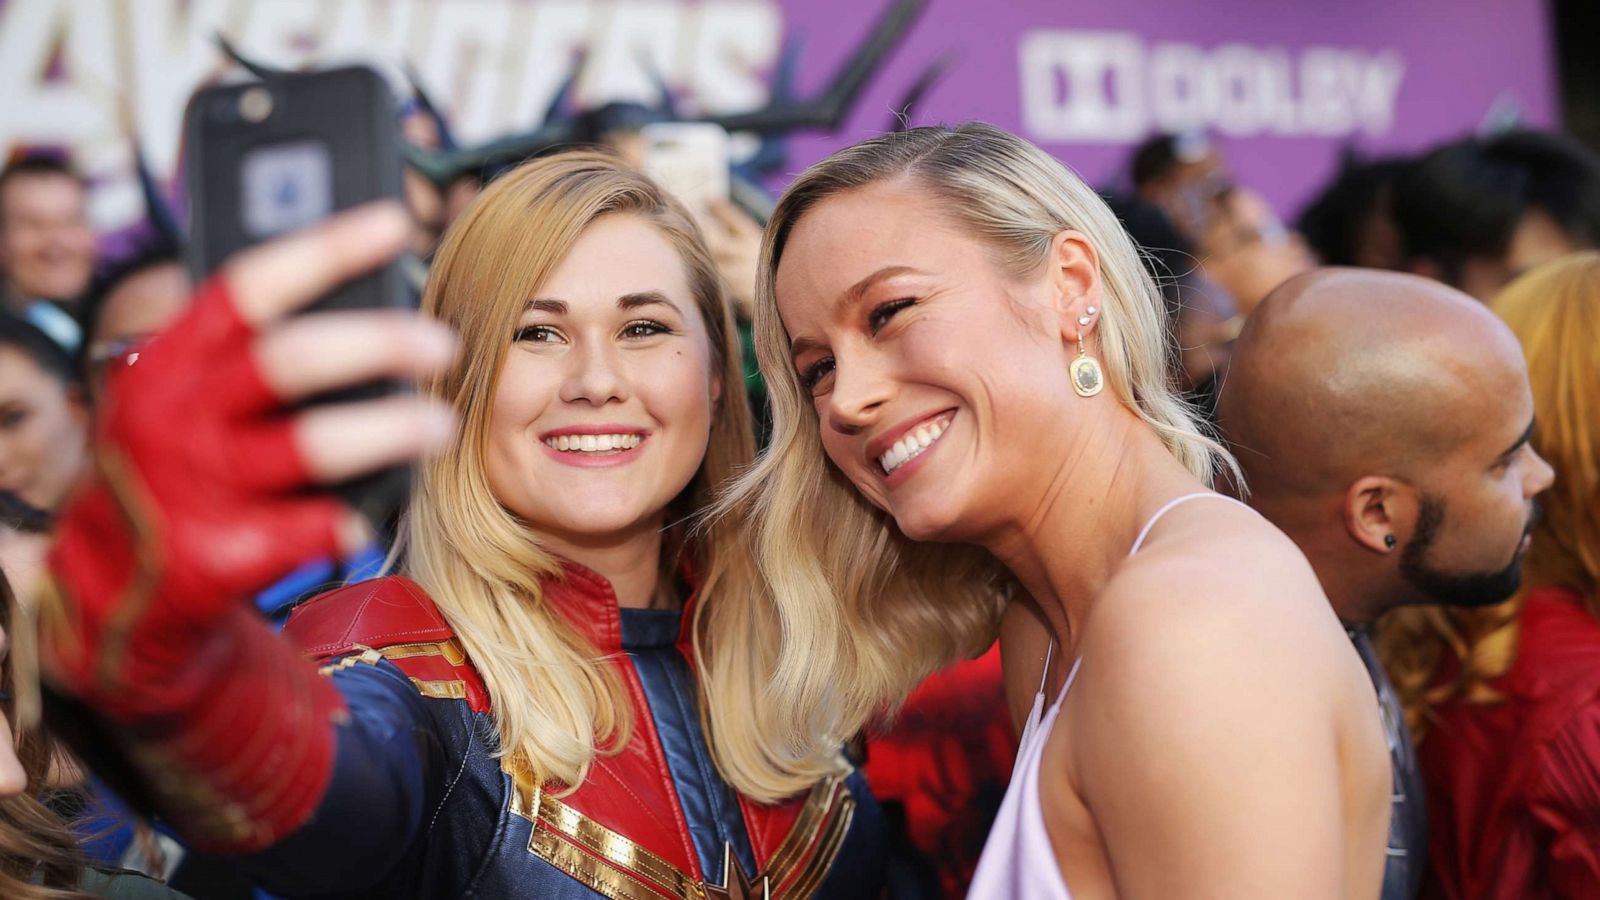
x=139, y=307
x=1479, y=506
x=1536, y=240
x=43, y=432
x=1247, y=250
x=603, y=408
x=13, y=780
x=46, y=245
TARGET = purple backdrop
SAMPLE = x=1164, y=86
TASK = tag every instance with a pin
x=1459, y=59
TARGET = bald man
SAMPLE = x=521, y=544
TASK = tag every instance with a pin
x=1382, y=422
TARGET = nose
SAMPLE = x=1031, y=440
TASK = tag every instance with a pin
x=862, y=388
x=596, y=376
x=1541, y=475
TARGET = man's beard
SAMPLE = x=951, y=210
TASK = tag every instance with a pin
x=1471, y=589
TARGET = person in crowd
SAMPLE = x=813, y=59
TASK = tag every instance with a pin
x=1183, y=174
x=46, y=244
x=1477, y=212
x=1381, y=420
x=945, y=451
x=39, y=854
x=1201, y=317
x=1351, y=222
x=563, y=698
x=132, y=301
x=44, y=419
x=1506, y=700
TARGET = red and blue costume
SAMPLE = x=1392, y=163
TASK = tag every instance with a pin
x=371, y=771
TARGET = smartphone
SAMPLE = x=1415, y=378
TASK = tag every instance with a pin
x=269, y=157
x=690, y=160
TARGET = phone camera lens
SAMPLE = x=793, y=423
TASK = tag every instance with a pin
x=255, y=104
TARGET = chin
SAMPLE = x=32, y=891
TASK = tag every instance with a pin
x=927, y=522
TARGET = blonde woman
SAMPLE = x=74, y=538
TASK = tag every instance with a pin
x=1507, y=699
x=974, y=427
x=558, y=699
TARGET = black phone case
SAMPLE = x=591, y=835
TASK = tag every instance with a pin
x=349, y=110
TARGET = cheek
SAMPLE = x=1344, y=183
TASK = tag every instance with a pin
x=677, y=390
x=522, y=393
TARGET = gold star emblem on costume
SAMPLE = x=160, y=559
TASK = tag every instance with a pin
x=735, y=886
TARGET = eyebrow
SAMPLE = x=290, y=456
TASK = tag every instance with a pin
x=801, y=345
x=625, y=302
x=1526, y=436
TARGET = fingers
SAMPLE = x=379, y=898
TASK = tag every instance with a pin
x=283, y=275
x=312, y=354
x=339, y=441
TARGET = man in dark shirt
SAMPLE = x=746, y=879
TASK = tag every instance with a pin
x=1382, y=421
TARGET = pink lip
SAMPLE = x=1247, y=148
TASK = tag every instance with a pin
x=880, y=445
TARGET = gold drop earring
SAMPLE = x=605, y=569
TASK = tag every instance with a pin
x=1087, y=379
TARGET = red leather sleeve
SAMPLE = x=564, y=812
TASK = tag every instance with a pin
x=188, y=513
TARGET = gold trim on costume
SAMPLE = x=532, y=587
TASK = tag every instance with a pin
x=449, y=649
x=820, y=828
x=441, y=690
x=619, y=868
x=367, y=655
x=593, y=873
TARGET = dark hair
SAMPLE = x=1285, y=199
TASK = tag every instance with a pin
x=45, y=353
x=156, y=251
x=1167, y=255
x=1465, y=199
x=36, y=163
x=1162, y=153
x=1332, y=223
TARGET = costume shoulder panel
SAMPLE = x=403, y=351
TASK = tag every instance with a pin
x=372, y=614
x=394, y=619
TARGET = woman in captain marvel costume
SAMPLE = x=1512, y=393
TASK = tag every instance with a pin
x=562, y=696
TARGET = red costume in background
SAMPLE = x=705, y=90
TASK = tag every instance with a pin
x=945, y=763
x=1514, y=786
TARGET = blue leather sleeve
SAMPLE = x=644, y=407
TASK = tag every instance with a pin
x=386, y=775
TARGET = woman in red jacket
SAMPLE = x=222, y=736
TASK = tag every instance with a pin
x=560, y=699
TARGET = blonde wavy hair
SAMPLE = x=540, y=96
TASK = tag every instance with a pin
x=1555, y=312
x=555, y=701
x=864, y=612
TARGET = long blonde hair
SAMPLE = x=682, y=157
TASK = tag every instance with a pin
x=553, y=698
x=1555, y=312
x=865, y=613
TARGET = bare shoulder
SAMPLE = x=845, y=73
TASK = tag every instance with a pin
x=1219, y=599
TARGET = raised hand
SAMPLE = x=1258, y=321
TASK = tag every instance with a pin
x=199, y=498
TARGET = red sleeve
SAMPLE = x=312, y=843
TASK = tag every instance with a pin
x=1566, y=800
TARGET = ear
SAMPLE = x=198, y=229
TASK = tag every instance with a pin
x=1074, y=275
x=716, y=388
x=1380, y=512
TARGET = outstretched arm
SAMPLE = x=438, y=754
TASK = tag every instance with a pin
x=198, y=500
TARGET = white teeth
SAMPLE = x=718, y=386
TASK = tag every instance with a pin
x=594, y=443
x=912, y=445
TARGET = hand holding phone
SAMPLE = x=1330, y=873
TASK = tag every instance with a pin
x=270, y=157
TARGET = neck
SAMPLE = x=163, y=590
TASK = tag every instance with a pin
x=1066, y=547
x=630, y=561
x=1359, y=587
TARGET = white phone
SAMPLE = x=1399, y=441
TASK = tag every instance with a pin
x=690, y=160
